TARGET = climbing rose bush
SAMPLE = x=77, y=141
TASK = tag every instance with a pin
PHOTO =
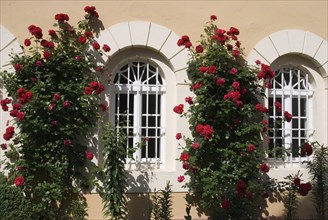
x=53, y=101
x=224, y=158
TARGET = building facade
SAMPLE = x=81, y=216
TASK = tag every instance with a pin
x=149, y=77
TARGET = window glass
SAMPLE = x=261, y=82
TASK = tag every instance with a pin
x=291, y=88
x=139, y=90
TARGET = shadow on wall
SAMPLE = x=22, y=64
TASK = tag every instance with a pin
x=139, y=204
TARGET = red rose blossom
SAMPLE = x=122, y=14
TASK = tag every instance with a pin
x=51, y=106
x=180, y=179
x=99, y=89
x=278, y=106
x=19, y=181
x=184, y=40
x=195, y=145
x=47, y=55
x=88, y=34
x=236, y=85
x=212, y=69
x=38, y=63
x=82, y=39
x=178, y=109
x=203, y=69
x=251, y=148
x=241, y=186
x=257, y=62
x=184, y=156
x=94, y=85
x=189, y=100
x=20, y=116
x=16, y=106
x=18, y=67
x=261, y=108
x=266, y=72
x=304, y=188
x=205, y=130
x=178, y=136
x=226, y=204
x=88, y=90
x=61, y=17
x=199, y=49
x=35, y=31
x=13, y=113
x=89, y=155
x=213, y=17
x=96, y=46
x=56, y=97
x=196, y=86
x=103, y=107
x=264, y=168
x=106, y=48
x=66, y=103
x=235, y=53
x=220, y=81
x=297, y=181
x=185, y=165
x=27, y=42
x=188, y=44
x=288, y=116
x=233, y=71
x=52, y=33
x=67, y=142
x=306, y=150
x=268, y=85
x=4, y=146
x=91, y=10
x=233, y=31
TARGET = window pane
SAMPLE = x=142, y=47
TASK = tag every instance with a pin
x=303, y=107
x=144, y=96
x=291, y=90
x=151, y=121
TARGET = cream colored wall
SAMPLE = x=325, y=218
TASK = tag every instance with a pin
x=255, y=19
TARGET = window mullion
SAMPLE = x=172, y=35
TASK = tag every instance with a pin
x=156, y=121
x=147, y=112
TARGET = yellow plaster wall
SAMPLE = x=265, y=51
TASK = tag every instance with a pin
x=255, y=19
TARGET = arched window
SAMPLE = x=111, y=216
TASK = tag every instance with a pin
x=139, y=90
x=290, y=88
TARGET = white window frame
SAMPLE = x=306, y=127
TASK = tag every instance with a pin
x=139, y=89
x=286, y=90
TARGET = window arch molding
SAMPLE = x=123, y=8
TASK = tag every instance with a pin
x=143, y=34
x=292, y=41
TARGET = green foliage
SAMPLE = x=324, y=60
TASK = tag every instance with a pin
x=53, y=116
x=13, y=204
x=162, y=203
x=289, y=198
x=318, y=168
x=224, y=122
x=115, y=182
